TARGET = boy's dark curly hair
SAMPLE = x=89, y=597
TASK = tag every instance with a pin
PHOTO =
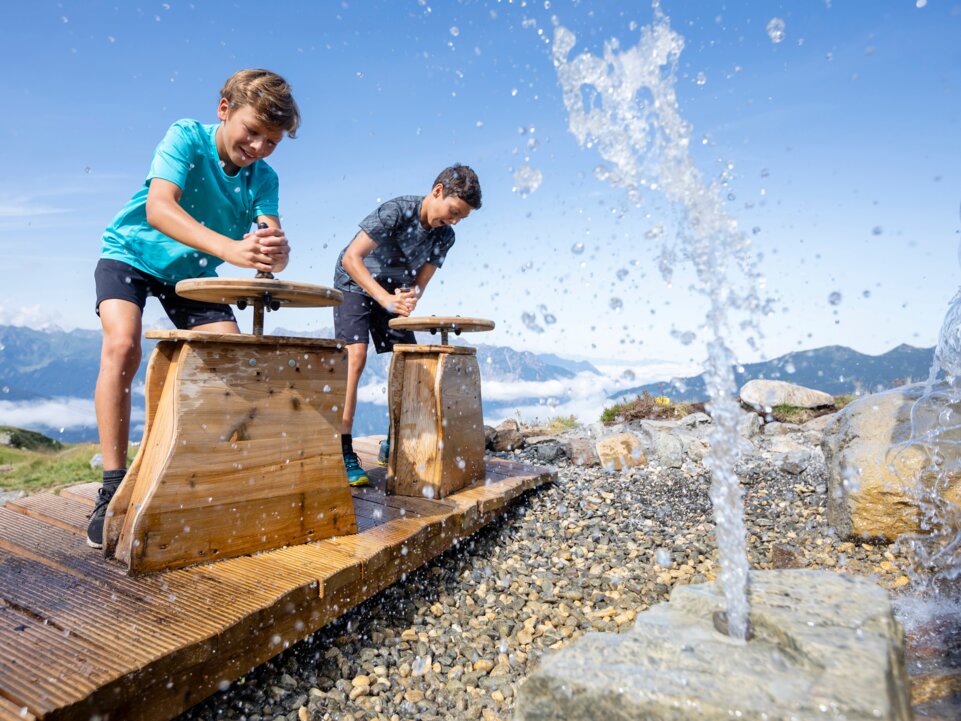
x=460, y=181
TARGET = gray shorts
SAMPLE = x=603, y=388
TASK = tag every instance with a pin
x=117, y=280
x=360, y=316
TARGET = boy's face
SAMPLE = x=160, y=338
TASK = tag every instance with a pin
x=242, y=138
x=439, y=211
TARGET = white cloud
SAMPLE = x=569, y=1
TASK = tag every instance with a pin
x=26, y=210
x=65, y=413
x=32, y=316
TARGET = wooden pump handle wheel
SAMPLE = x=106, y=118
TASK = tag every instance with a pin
x=261, y=293
x=443, y=324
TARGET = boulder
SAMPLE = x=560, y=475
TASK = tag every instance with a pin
x=673, y=442
x=748, y=424
x=548, y=449
x=583, y=453
x=695, y=420
x=824, y=646
x=872, y=489
x=775, y=428
x=490, y=434
x=508, y=436
x=820, y=423
x=767, y=394
x=623, y=450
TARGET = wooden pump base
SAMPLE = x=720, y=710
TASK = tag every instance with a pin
x=241, y=451
x=436, y=421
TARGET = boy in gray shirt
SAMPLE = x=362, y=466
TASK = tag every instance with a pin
x=383, y=273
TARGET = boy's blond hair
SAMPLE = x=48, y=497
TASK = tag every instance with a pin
x=268, y=94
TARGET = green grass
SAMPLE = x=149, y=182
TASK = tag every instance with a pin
x=31, y=471
x=645, y=406
x=841, y=401
x=560, y=424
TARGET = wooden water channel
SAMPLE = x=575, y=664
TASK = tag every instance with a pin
x=81, y=639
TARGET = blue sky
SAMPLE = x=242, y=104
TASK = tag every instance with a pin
x=843, y=140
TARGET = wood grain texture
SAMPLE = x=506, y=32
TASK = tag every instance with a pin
x=442, y=322
x=288, y=293
x=80, y=637
x=437, y=424
x=241, y=455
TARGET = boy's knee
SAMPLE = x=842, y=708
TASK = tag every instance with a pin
x=121, y=352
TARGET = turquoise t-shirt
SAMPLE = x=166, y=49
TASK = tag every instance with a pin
x=187, y=156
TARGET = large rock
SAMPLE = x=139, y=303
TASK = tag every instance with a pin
x=767, y=394
x=872, y=491
x=673, y=442
x=548, y=449
x=508, y=436
x=583, y=453
x=824, y=646
x=623, y=450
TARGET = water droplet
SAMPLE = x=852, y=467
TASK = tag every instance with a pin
x=615, y=303
x=877, y=230
x=834, y=298
x=775, y=30
x=530, y=320
x=526, y=180
x=252, y=362
x=291, y=362
x=577, y=248
x=700, y=79
x=455, y=31
x=202, y=262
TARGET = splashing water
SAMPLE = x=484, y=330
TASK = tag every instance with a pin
x=624, y=105
x=929, y=464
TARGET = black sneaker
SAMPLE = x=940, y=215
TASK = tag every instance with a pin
x=95, y=527
x=383, y=453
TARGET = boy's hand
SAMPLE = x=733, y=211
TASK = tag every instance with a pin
x=265, y=250
x=273, y=243
x=402, y=302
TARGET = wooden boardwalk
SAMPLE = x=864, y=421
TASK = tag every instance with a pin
x=80, y=639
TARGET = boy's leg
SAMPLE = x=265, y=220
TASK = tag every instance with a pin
x=119, y=360
x=356, y=362
x=351, y=325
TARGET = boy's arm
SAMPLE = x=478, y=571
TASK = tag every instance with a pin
x=353, y=261
x=424, y=275
x=165, y=214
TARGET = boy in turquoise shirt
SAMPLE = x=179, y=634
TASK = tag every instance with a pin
x=207, y=185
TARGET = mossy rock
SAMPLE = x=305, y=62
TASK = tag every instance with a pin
x=27, y=440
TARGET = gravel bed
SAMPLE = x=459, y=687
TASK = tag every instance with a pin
x=587, y=553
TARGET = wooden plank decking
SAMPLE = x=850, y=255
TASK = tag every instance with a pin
x=79, y=638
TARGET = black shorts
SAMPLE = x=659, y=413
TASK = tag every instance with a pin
x=117, y=280
x=360, y=316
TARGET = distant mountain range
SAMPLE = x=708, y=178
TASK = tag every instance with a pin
x=51, y=370
x=834, y=369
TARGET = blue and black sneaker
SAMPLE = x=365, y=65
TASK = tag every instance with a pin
x=355, y=474
x=383, y=454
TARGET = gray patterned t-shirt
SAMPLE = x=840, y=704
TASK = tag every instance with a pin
x=404, y=246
